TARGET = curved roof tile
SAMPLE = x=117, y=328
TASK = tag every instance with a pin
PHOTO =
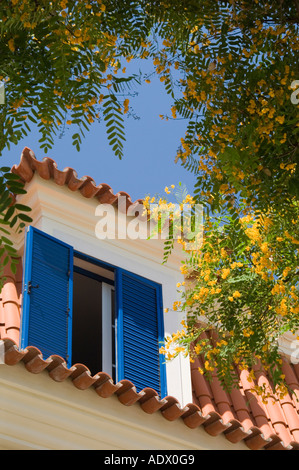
x=47, y=169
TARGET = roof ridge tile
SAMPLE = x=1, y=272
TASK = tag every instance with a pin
x=47, y=169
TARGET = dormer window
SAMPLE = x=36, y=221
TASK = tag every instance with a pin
x=93, y=313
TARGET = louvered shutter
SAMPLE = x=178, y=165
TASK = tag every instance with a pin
x=140, y=329
x=47, y=294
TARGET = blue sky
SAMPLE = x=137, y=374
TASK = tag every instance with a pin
x=151, y=143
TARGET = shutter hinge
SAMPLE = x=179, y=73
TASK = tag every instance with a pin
x=30, y=286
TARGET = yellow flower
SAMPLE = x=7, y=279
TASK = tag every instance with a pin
x=184, y=269
x=290, y=166
x=237, y=294
x=264, y=247
x=286, y=271
x=208, y=367
x=282, y=309
x=225, y=273
x=176, y=305
x=251, y=376
x=11, y=45
x=280, y=119
x=197, y=349
x=126, y=106
x=248, y=332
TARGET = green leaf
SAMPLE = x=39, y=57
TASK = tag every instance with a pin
x=9, y=213
x=6, y=241
x=22, y=207
x=25, y=218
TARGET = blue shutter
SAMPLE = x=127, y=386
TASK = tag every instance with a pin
x=140, y=329
x=47, y=294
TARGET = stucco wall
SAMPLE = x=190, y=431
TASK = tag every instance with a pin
x=38, y=413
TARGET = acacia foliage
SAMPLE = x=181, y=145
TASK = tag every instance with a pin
x=240, y=65
x=59, y=64
x=229, y=66
x=12, y=216
x=241, y=283
x=59, y=61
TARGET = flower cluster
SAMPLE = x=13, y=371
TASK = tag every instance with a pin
x=244, y=288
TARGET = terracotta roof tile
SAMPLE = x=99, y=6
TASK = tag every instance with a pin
x=107, y=387
x=10, y=303
x=47, y=169
x=239, y=415
x=267, y=425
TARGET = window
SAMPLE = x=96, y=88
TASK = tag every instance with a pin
x=90, y=312
x=93, y=316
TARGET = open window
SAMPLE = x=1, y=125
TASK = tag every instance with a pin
x=91, y=312
x=93, y=323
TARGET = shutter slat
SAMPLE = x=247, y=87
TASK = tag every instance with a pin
x=148, y=324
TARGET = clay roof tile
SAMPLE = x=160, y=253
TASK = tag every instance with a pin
x=47, y=169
